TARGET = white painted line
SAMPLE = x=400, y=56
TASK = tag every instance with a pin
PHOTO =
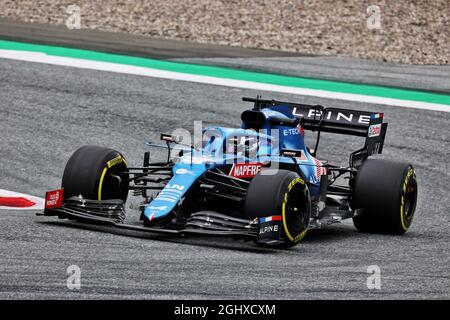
x=39, y=202
x=155, y=73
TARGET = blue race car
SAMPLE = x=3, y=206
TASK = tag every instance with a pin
x=260, y=182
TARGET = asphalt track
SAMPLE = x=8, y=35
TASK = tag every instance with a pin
x=432, y=78
x=46, y=112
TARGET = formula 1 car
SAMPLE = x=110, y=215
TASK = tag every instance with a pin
x=259, y=182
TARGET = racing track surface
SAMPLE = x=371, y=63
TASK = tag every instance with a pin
x=46, y=112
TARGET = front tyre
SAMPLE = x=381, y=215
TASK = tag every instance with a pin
x=280, y=192
x=386, y=195
x=92, y=172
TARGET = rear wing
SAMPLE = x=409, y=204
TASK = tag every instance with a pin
x=334, y=120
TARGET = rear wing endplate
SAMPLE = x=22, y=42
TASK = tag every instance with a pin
x=334, y=120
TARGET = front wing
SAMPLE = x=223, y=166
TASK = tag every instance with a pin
x=207, y=223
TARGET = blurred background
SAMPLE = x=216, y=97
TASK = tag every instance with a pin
x=405, y=31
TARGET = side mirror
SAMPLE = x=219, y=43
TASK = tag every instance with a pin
x=170, y=138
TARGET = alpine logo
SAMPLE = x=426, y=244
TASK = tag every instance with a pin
x=374, y=130
x=245, y=170
x=356, y=117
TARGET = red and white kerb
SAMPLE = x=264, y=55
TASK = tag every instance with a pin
x=11, y=200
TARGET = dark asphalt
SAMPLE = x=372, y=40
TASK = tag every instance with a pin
x=46, y=112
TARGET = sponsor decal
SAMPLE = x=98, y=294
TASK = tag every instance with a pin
x=272, y=228
x=269, y=225
x=332, y=115
x=166, y=198
x=161, y=208
x=291, y=131
x=272, y=218
x=174, y=187
x=185, y=171
x=374, y=130
x=298, y=154
x=245, y=170
x=54, y=199
x=294, y=131
x=171, y=193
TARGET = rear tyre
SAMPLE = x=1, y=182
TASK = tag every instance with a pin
x=281, y=192
x=89, y=173
x=386, y=194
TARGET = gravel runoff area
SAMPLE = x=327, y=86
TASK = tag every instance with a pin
x=411, y=31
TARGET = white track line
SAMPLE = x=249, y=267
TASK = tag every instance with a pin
x=155, y=73
x=39, y=201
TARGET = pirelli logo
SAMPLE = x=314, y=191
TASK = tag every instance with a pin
x=115, y=161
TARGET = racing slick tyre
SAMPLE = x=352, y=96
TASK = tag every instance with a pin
x=386, y=193
x=89, y=173
x=280, y=192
